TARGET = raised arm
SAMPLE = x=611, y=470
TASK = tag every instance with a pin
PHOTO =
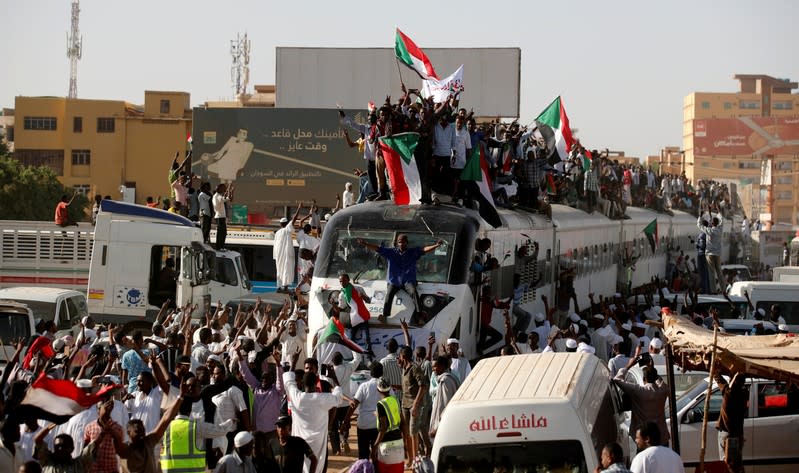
x=429, y=248
x=366, y=244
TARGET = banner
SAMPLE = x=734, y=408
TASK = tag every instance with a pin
x=440, y=90
x=746, y=136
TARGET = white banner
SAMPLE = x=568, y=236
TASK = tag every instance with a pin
x=440, y=90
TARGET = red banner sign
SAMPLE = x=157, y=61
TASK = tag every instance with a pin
x=746, y=136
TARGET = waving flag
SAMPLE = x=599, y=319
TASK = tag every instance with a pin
x=332, y=339
x=554, y=116
x=475, y=174
x=406, y=185
x=410, y=55
x=651, y=232
x=57, y=400
x=440, y=90
x=358, y=311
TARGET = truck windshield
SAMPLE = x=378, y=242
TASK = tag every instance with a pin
x=526, y=457
x=245, y=279
x=351, y=258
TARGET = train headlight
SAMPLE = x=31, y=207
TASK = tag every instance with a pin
x=428, y=302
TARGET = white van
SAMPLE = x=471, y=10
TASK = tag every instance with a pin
x=16, y=321
x=764, y=294
x=539, y=412
x=63, y=306
x=785, y=274
x=769, y=426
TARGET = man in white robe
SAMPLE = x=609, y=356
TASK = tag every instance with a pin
x=447, y=385
x=309, y=414
x=284, y=255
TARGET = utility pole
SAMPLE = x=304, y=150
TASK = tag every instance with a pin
x=74, y=50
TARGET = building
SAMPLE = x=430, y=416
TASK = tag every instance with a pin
x=100, y=146
x=750, y=138
x=7, y=128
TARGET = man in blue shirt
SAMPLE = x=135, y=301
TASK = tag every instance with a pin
x=401, y=272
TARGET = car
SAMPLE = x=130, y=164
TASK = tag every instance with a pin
x=772, y=420
x=740, y=272
x=682, y=380
x=16, y=322
x=63, y=306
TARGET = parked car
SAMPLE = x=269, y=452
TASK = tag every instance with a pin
x=63, y=306
x=16, y=321
x=771, y=423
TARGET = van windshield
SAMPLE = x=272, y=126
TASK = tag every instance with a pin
x=517, y=457
x=41, y=310
x=13, y=327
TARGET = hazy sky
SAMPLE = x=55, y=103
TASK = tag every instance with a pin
x=622, y=67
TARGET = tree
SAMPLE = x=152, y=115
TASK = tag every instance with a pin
x=32, y=192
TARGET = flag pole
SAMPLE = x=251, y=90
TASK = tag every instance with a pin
x=399, y=71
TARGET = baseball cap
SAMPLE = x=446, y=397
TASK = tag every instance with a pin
x=283, y=420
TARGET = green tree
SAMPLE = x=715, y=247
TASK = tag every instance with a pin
x=32, y=192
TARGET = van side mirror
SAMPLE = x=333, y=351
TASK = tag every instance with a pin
x=691, y=417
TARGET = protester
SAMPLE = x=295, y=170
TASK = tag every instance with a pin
x=389, y=448
x=652, y=456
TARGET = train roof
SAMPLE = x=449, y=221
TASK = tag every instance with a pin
x=566, y=217
x=641, y=215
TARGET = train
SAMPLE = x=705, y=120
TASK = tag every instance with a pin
x=599, y=250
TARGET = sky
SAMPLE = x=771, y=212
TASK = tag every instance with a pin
x=622, y=67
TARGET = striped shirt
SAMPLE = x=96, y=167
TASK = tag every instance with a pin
x=591, y=183
x=392, y=371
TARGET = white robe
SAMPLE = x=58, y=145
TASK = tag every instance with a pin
x=284, y=256
x=447, y=386
x=309, y=415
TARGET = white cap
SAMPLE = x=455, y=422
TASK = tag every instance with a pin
x=627, y=326
x=214, y=358
x=616, y=339
x=583, y=347
x=571, y=343
x=584, y=323
x=251, y=356
x=575, y=328
x=58, y=344
x=640, y=325
x=242, y=438
x=540, y=317
x=599, y=316
x=656, y=343
x=761, y=311
x=84, y=383
x=451, y=341
x=284, y=220
x=782, y=327
x=574, y=317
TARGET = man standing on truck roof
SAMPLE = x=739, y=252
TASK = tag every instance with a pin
x=401, y=273
x=283, y=252
x=62, y=212
x=222, y=196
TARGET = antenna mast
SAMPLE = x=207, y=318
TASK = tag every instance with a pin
x=240, y=71
x=74, y=50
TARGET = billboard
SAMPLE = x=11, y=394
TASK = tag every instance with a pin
x=277, y=158
x=351, y=77
x=746, y=136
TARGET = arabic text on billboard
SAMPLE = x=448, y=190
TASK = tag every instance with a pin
x=746, y=136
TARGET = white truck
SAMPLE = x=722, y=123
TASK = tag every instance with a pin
x=118, y=262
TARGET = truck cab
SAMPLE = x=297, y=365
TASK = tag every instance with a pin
x=140, y=258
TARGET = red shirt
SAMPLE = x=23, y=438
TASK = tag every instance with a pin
x=61, y=214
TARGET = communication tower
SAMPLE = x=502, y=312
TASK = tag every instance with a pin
x=74, y=50
x=240, y=71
